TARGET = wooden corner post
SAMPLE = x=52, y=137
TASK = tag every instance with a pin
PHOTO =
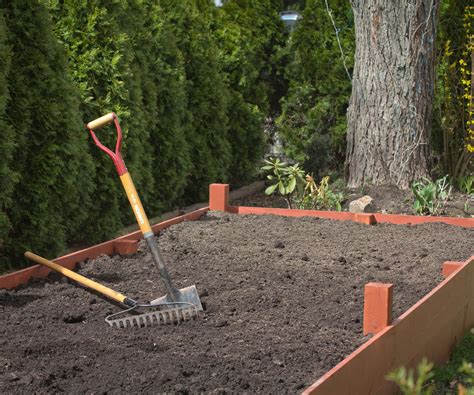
x=219, y=197
x=378, y=300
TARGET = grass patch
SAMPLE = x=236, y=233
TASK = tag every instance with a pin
x=447, y=377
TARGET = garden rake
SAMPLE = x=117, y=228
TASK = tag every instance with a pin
x=186, y=299
x=162, y=313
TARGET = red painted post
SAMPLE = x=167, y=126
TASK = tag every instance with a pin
x=449, y=267
x=364, y=218
x=219, y=197
x=377, y=307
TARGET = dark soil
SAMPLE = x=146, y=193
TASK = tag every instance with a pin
x=283, y=297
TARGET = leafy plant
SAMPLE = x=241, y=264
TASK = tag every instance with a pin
x=458, y=370
x=300, y=189
x=466, y=184
x=467, y=369
x=431, y=197
x=286, y=179
x=405, y=379
x=320, y=197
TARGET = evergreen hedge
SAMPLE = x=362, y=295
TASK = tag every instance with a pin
x=313, y=119
x=249, y=35
x=51, y=195
x=163, y=68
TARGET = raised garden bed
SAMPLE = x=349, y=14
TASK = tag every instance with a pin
x=283, y=296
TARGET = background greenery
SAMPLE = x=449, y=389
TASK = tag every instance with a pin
x=193, y=86
x=188, y=83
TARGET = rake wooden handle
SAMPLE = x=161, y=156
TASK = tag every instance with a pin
x=81, y=279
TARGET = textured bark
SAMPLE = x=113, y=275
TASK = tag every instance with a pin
x=390, y=110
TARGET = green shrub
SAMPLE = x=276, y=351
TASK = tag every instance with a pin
x=313, y=117
x=207, y=92
x=8, y=178
x=50, y=158
x=409, y=385
x=466, y=184
x=300, y=190
x=431, y=197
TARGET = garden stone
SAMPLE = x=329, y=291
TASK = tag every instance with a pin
x=365, y=204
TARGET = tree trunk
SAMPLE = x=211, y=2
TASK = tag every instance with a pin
x=390, y=110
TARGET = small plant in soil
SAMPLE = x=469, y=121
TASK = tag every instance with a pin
x=300, y=189
x=319, y=197
x=286, y=179
x=466, y=184
x=405, y=379
x=431, y=196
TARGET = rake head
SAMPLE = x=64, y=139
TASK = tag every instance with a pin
x=172, y=314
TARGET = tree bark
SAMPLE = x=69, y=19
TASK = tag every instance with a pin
x=390, y=110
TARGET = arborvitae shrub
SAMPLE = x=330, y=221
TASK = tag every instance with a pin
x=52, y=197
x=7, y=177
x=166, y=106
x=319, y=88
x=207, y=93
x=96, y=48
x=248, y=35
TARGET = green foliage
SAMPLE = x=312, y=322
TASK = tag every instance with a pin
x=431, y=196
x=98, y=51
x=8, y=178
x=207, y=95
x=313, y=119
x=450, y=136
x=466, y=184
x=408, y=384
x=49, y=157
x=320, y=197
x=159, y=108
x=459, y=367
x=190, y=83
x=467, y=369
x=300, y=189
x=287, y=180
x=248, y=34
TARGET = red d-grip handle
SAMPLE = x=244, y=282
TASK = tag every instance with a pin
x=116, y=156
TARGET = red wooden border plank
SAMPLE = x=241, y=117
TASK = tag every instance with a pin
x=345, y=216
x=415, y=219
x=337, y=215
x=13, y=280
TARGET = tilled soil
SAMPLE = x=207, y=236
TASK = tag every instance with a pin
x=283, y=299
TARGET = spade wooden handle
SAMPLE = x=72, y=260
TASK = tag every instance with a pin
x=102, y=121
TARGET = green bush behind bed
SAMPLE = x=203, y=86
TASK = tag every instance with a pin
x=164, y=69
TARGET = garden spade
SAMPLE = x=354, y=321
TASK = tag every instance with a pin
x=185, y=298
x=158, y=313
